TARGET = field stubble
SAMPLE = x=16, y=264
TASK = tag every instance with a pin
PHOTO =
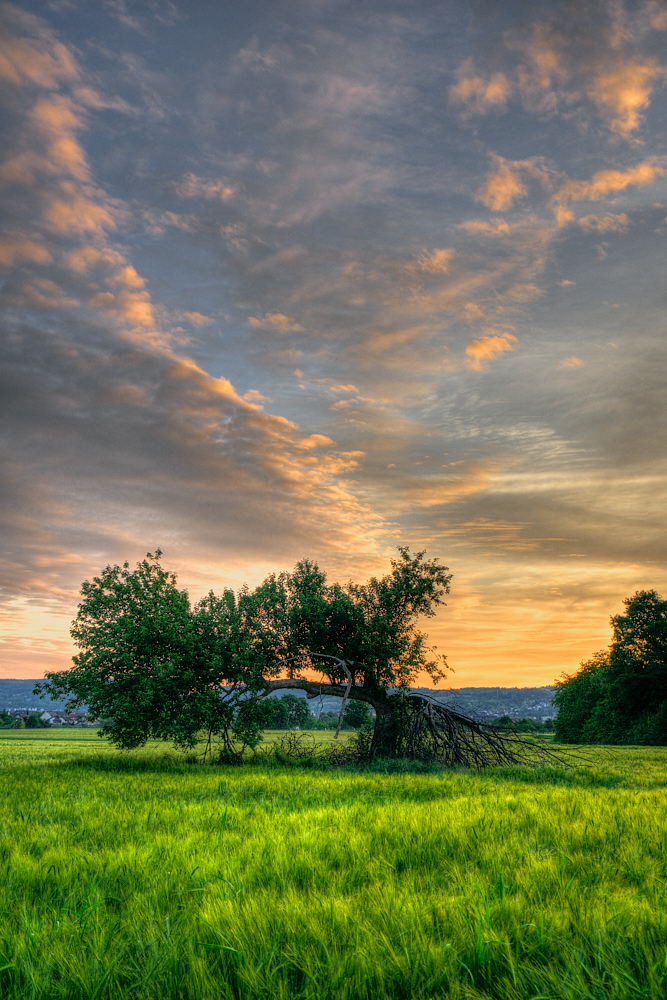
x=142, y=876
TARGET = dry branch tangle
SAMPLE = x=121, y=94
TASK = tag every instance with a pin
x=409, y=724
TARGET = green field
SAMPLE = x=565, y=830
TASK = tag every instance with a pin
x=142, y=876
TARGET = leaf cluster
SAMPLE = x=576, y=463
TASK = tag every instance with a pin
x=371, y=626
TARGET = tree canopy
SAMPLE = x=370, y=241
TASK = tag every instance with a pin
x=153, y=666
x=620, y=695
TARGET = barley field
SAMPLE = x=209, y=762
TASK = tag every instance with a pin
x=145, y=876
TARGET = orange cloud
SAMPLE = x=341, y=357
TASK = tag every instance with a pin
x=481, y=93
x=315, y=441
x=126, y=306
x=523, y=292
x=46, y=294
x=196, y=318
x=563, y=215
x=42, y=62
x=94, y=100
x=657, y=15
x=503, y=186
x=572, y=363
x=606, y=182
x=436, y=262
x=496, y=228
x=506, y=181
x=57, y=120
x=623, y=92
x=84, y=258
x=13, y=249
x=545, y=55
x=608, y=223
x=128, y=278
x=75, y=213
x=275, y=321
x=487, y=348
x=558, y=67
x=199, y=187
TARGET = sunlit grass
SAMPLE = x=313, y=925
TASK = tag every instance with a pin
x=143, y=876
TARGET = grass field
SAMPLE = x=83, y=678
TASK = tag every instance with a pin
x=141, y=876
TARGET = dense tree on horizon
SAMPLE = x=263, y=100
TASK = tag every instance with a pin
x=620, y=695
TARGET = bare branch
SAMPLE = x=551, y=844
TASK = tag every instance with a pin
x=345, y=697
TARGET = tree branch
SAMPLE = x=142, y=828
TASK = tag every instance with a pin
x=345, y=697
x=314, y=689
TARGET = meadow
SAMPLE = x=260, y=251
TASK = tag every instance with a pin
x=145, y=876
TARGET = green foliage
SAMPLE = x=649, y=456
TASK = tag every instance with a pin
x=371, y=625
x=620, y=696
x=142, y=877
x=289, y=712
x=356, y=715
x=6, y=720
x=34, y=721
x=155, y=667
x=580, y=699
x=326, y=721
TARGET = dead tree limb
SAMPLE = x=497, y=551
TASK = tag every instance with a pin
x=416, y=726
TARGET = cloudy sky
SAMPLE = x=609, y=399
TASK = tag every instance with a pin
x=291, y=278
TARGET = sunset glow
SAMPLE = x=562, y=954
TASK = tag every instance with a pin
x=285, y=279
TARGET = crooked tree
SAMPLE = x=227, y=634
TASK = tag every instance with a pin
x=157, y=668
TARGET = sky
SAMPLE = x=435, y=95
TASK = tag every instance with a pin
x=318, y=278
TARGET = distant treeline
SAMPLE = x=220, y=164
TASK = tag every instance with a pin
x=290, y=712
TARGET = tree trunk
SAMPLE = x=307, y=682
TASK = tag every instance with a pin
x=387, y=730
x=412, y=725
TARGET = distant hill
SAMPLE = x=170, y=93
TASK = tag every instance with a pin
x=492, y=702
x=482, y=702
x=18, y=694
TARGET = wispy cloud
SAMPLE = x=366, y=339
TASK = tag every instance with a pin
x=479, y=93
x=610, y=182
